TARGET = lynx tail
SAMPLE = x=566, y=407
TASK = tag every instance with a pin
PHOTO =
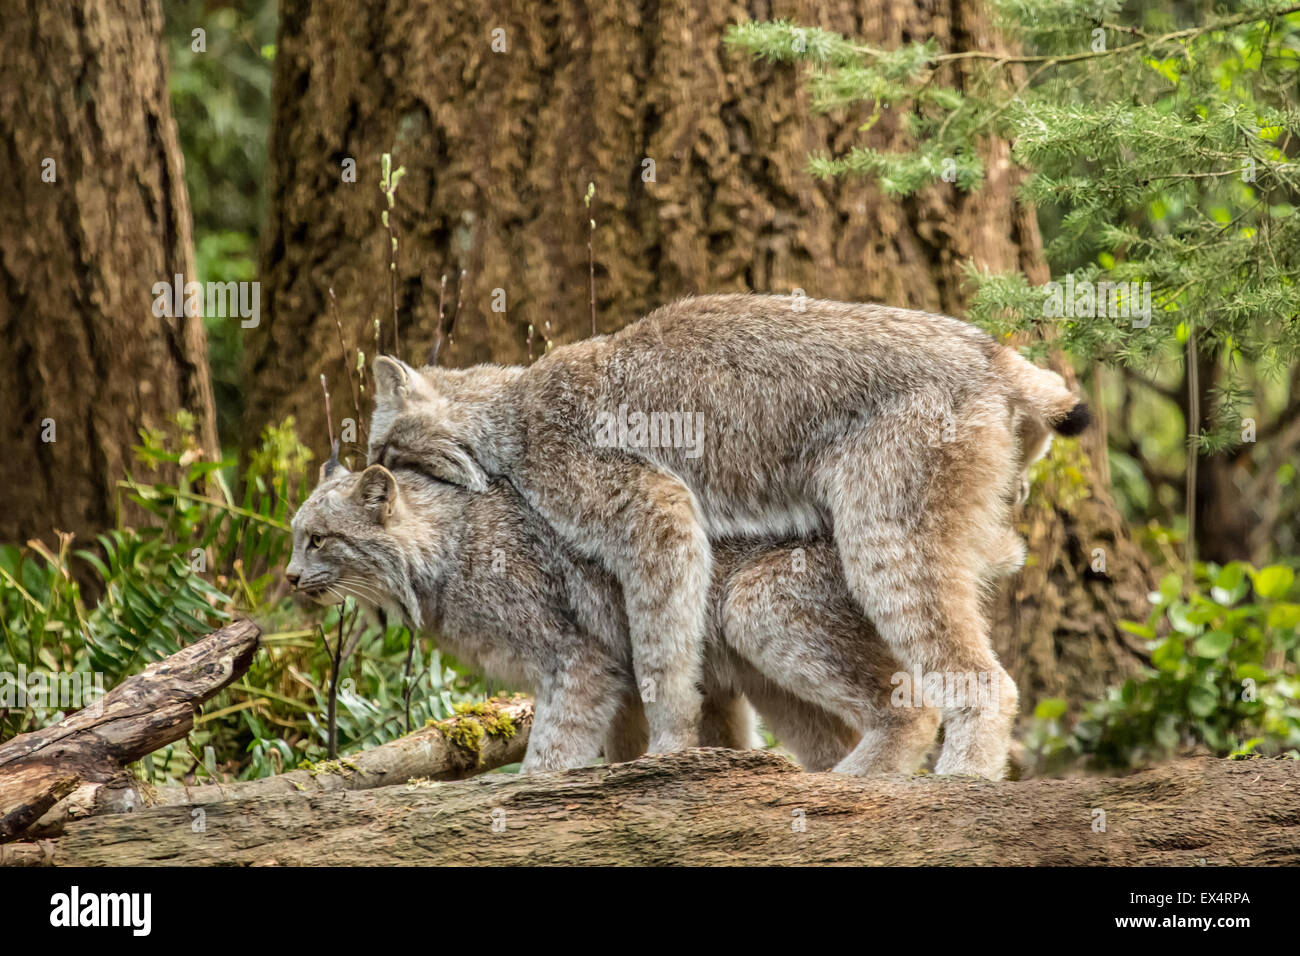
x=1045, y=393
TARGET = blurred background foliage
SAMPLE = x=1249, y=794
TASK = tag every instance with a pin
x=1134, y=158
x=221, y=99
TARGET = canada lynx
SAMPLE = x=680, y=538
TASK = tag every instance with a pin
x=504, y=593
x=903, y=434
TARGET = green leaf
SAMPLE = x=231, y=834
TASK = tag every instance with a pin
x=1230, y=584
x=1181, y=619
x=1252, y=671
x=1274, y=581
x=1212, y=645
x=1141, y=630
x=1169, y=653
x=1202, y=701
x=1050, y=708
x=1284, y=616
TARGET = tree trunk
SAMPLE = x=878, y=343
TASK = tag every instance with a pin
x=698, y=156
x=500, y=147
x=86, y=363
x=1225, y=514
x=718, y=807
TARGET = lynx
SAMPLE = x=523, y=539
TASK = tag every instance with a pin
x=903, y=435
x=504, y=594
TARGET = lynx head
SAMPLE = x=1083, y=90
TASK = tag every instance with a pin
x=358, y=535
x=417, y=424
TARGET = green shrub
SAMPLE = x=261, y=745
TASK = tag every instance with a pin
x=1223, y=677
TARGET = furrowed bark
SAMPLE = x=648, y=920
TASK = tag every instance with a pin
x=95, y=215
x=726, y=808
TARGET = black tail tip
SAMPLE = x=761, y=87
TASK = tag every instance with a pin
x=1075, y=421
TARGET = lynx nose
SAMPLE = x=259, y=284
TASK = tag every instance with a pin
x=292, y=577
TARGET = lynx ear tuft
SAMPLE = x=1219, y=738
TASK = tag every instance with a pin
x=331, y=466
x=393, y=377
x=377, y=492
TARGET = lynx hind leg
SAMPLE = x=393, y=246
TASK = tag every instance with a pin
x=628, y=735
x=934, y=623
x=789, y=616
x=727, y=720
x=644, y=525
x=909, y=542
x=818, y=739
x=897, y=744
x=574, y=713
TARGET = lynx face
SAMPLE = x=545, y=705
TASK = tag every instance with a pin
x=351, y=537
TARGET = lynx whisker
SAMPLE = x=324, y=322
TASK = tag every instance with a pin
x=361, y=584
x=355, y=589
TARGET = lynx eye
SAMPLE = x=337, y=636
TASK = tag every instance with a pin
x=315, y=541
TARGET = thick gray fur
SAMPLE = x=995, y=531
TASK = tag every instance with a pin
x=504, y=594
x=903, y=435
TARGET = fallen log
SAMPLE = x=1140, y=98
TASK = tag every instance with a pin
x=724, y=807
x=90, y=748
x=482, y=737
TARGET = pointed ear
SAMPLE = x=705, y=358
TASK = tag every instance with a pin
x=377, y=492
x=393, y=378
x=331, y=469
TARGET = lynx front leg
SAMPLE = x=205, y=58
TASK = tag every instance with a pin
x=643, y=524
x=726, y=720
x=574, y=712
x=628, y=735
